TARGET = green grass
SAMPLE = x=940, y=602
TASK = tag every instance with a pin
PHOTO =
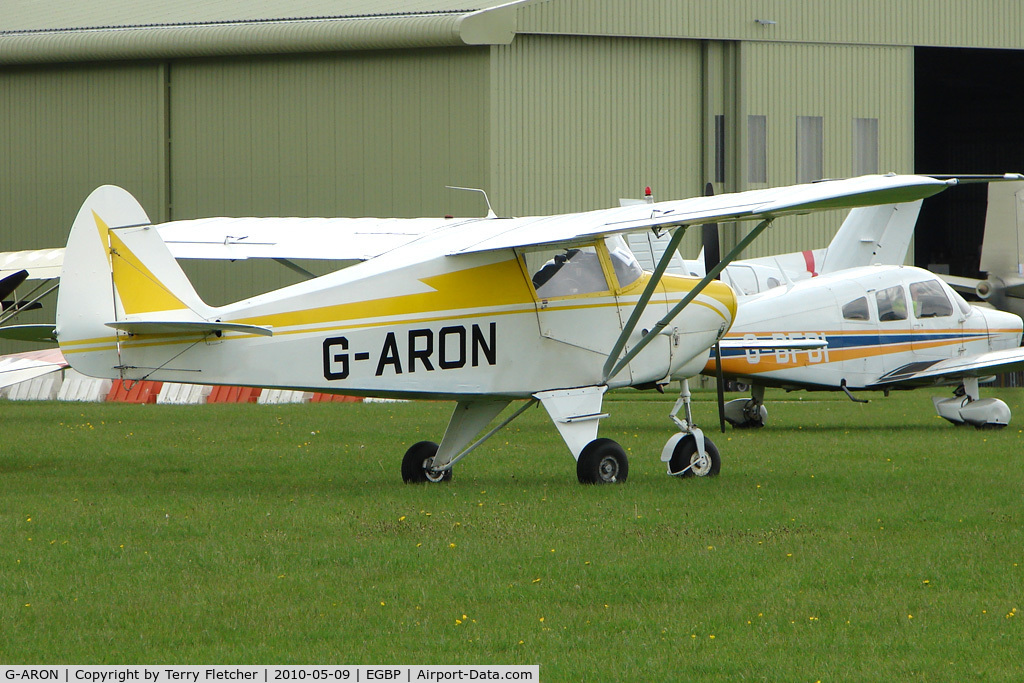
x=844, y=542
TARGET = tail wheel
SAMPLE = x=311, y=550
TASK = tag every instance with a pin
x=685, y=456
x=602, y=462
x=416, y=464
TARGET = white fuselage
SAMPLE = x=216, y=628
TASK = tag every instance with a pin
x=876, y=319
x=420, y=323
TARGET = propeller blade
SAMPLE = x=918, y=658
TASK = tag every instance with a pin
x=721, y=387
x=709, y=238
x=712, y=255
x=12, y=282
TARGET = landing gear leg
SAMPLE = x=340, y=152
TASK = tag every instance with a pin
x=689, y=453
x=747, y=413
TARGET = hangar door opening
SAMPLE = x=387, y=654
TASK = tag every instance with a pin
x=968, y=118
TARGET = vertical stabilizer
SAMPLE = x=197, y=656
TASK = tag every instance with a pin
x=1001, y=250
x=116, y=269
x=872, y=235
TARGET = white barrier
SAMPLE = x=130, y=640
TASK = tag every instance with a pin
x=275, y=396
x=78, y=387
x=183, y=394
x=43, y=388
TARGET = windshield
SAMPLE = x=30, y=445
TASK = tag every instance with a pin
x=627, y=268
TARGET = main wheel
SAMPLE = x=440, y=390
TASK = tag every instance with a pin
x=685, y=456
x=744, y=413
x=416, y=464
x=602, y=462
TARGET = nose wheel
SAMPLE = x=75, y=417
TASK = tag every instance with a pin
x=689, y=453
x=685, y=459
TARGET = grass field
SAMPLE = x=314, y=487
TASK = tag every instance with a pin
x=844, y=542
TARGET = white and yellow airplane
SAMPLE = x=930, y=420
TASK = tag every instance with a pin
x=482, y=312
x=887, y=327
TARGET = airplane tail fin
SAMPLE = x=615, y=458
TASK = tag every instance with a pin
x=872, y=235
x=1002, y=250
x=118, y=278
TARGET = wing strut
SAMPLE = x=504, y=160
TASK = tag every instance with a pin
x=677, y=309
x=641, y=304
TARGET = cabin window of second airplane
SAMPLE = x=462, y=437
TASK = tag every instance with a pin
x=857, y=309
x=892, y=304
x=929, y=300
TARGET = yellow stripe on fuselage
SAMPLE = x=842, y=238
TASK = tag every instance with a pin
x=493, y=285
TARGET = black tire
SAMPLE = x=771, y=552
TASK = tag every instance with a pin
x=685, y=454
x=416, y=463
x=602, y=462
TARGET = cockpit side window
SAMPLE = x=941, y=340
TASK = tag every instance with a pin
x=857, y=309
x=892, y=304
x=929, y=300
x=566, y=272
x=627, y=268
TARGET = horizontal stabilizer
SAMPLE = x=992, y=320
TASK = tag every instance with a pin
x=187, y=327
x=29, y=333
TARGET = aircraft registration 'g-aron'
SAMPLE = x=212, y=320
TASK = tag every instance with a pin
x=483, y=312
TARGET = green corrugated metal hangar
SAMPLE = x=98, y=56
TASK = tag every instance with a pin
x=360, y=107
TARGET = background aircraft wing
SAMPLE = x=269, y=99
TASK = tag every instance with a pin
x=738, y=206
x=928, y=373
x=21, y=367
x=41, y=264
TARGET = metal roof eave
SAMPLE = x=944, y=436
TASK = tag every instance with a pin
x=441, y=29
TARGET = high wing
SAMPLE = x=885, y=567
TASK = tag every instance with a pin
x=928, y=373
x=361, y=239
x=766, y=204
